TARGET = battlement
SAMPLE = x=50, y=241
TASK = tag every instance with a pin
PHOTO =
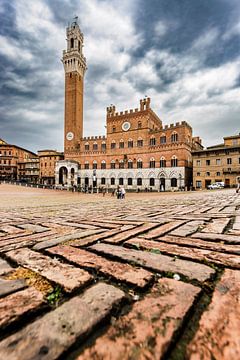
x=99, y=137
x=144, y=105
x=174, y=126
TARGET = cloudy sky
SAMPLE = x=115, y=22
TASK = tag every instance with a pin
x=184, y=54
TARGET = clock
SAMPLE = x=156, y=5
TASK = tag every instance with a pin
x=69, y=136
x=126, y=126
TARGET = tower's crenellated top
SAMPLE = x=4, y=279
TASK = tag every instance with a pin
x=73, y=58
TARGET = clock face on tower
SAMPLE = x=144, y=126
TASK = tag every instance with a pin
x=126, y=126
x=69, y=136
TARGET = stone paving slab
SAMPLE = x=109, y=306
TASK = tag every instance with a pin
x=51, y=335
x=69, y=277
x=157, y=262
x=185, y=242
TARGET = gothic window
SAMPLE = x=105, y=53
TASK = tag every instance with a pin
x=174, y=161
x=152, y=182
x=152, y=141
x=86, y=147
x=95, y=146
x=103, y=181
x=130, y=143
x=103, y=165
x=72, y=43
x=113, y=145
x=139, y=125
x=174, y=137
x=139, y=164
x=173, y=182
x=152, y=163
x=114, y=129
x=112, y=164
x=130, y=164
x=112, y=181
x=130, y=181
x=103, y=146
x=139, y=181
x=121, y=144
x=121, y=164
x=163, y=139
x=139, y=142
x=162, y=162
x=94, y=164
x=120, y=180
x=86, y=165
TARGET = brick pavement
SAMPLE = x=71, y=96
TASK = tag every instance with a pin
x=148, y=277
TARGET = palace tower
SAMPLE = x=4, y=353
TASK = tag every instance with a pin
x=75, y=66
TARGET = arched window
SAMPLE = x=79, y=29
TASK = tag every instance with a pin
x=72, y=43
x=152, y=163
x=152, y=182
x=130, y=164
x=95, y=146
x=139, y=181
x=103, y=165
x=121, y=164
x=139, y=125
x=103, y=181
x=174, y=137
x=121, y=144
x=163, y=139
x=103, y=146
x=130, y=143
x=173, y=182
x=120, y=181
x=139, y=164
x=112, y=181
x=152, y=141
x=139, y=142
x=113, y=164
x=130, y=181
x=162, y=162
x=113, y=144
x=114, y=128
x=174, y=161
x=94, y=164
x=86, y=165
x=86, y=146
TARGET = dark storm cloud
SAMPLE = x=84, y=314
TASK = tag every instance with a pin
x=184, y=54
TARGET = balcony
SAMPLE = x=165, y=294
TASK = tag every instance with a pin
x=232, y=170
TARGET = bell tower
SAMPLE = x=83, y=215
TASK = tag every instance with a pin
x=75, y=66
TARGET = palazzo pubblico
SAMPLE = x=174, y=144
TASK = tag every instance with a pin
x=137, y=152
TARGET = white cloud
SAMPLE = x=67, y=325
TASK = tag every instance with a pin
x=160, y=28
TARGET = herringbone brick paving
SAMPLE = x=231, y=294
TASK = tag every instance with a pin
x=149, y=277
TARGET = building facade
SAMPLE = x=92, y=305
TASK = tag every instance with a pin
x=13, y=160
x=138, y=151
x=47, y=164
x=219, y=163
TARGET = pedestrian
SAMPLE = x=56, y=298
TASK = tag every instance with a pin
x=103, y=191
x=113, y=192
x=238, y=185
x=118, y=192
x=123, y=192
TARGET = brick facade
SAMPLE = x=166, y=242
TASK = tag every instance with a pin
x=138, y=151
x=47, y=163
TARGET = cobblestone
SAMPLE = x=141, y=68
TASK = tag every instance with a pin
x=129, y=279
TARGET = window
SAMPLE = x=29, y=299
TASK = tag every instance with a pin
x=130, y=164
x=112, y=164
x=103, y=146
x=86, y=165
x=152, y=182
x=163, y=139
x=139, y=125
x=198, y=184
x=120, y=181
x=218, y=173
x=113, y=145
x=121, y=144
x=218, y=162
x=95, y=165
x=139, y=164
x=95, y=146
x=130, y=143
x=235, y=142
x=140, y=143
x=72, y=42
x=207, y=173
x=162, y=162
x=208, y=162
x=114, y=129
x=139, y=181
x=103, y=181
x=173, y=182
x=229, y=161
x=130, y=181
x=112, y=181
x=103, y=165
x=121, y=164
x=174, y=161
x=174, y=137
x=152, y=141
x=198, y=162
x=87, y=147
x=152, y=163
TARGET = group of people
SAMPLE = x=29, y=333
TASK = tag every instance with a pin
x=119, y=192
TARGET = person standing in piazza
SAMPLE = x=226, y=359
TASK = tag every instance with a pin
x=123, y=192
x=238, y=185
